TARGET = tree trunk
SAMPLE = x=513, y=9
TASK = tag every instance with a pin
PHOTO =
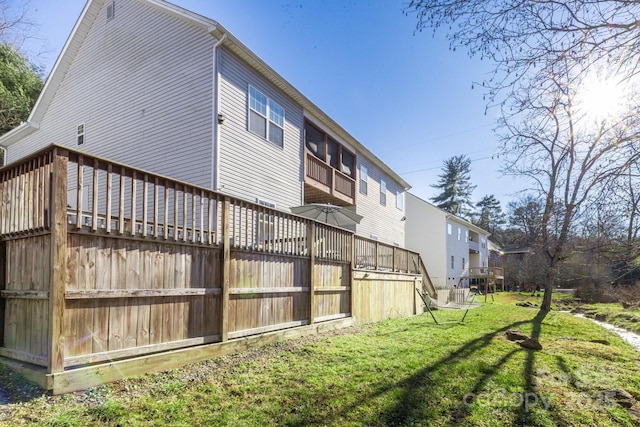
x=550, y=281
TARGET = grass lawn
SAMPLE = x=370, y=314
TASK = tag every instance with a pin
x=398, y=372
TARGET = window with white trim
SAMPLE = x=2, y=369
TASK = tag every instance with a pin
x=449, y=229
x=399, y=200
x=453, y=264
x=364, y=177
x=80, y=133
x=459, y=233
x=383, y=192
x=463, y=263
x=266, y=117
x=466, y=236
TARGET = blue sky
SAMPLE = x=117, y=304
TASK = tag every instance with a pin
x=405, y=96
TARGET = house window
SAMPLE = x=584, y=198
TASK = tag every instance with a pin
x=330, y=151
x=3, y=156
x=466, y=236
x=453, y=265
x=111, y=10
x=364, y=176
x=383, y=192
x=449, y=229
x=399, y=200
x=266, y=118
x=459, y=233
x=80, y=133
x=463, y=262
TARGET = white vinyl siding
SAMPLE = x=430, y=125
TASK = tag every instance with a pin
x=250, y=166
x=381, y=221
x=143, y=87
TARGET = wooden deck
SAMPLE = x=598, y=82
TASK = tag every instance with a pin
x=102, y=265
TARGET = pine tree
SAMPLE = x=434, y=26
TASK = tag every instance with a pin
x=489, y=216
x=455, y=186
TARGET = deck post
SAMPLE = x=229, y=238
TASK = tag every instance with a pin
x=226, y=270
x=58, y=209
x=352, y=272
x=311, y=241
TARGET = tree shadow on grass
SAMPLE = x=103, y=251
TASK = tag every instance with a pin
x=422, y=396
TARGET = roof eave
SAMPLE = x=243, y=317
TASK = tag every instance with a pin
x=23, y=130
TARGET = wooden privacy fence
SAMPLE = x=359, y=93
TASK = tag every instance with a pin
x=102, y=262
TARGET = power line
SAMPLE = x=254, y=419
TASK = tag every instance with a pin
x=435, y=139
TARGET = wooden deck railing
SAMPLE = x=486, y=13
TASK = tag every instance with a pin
x=104, y=261
x=328, y=179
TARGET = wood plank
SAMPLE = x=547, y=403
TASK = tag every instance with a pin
x=225, y=271
x=90, y=376
x=109, y=196
x=133, y=215
x=313, y=280
x=145, y=204
x=80, y=184
x=121, y=202
x=24, y=356
x=139, y=351
x=132, y=263
x=55, y=361
x=127, y=293
x=21, y=294
x=274, y=290
x=94, y=204
x=267, y=328
x=100, y=308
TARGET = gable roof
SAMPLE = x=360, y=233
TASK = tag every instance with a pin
x=85, y=22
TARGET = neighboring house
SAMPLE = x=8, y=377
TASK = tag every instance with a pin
x=157, y=87
x=496, y=266
x=454, y=251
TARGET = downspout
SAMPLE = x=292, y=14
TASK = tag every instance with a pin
x=215, y=152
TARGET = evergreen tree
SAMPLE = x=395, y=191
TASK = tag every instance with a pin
x=455, y=186
x=489, y=216
x=20, y=85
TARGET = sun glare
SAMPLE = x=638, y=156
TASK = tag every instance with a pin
x=600, y=99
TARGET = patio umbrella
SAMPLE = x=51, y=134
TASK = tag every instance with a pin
x=329, y=214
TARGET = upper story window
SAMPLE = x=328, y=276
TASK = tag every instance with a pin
x=383, y=192
x=111, y=10
x=266, y=117
x=321, y=145
x=459, y=233
x=466, y=236
x=449, y=229
x=399, y=200
x=364, y=176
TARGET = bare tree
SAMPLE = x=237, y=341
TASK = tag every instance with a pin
x=548, y=57
x=519, y=37
x=568, y=154
x=15, y=25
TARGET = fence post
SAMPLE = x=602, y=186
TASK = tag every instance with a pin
x=58, y=209
x=377, y=261
x=226, y=270
x=352, y=267
x=311, y=239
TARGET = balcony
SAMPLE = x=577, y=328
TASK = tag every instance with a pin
x=324, y=184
